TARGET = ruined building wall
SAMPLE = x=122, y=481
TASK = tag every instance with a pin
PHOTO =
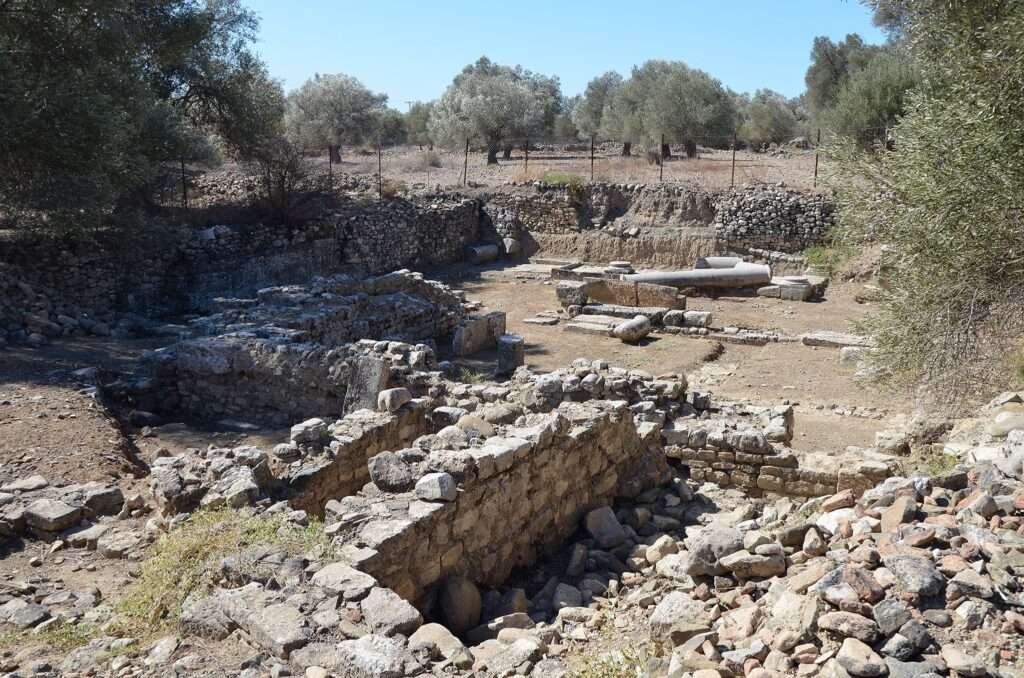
x=54, y=287
x=519, y=494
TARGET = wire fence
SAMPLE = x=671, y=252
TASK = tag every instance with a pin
x=712, y=162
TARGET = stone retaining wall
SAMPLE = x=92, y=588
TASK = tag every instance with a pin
x=551, y=217
x=519, y=495
x=51, y=287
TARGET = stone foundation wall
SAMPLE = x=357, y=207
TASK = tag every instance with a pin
x=54, y=287
x=341, y=470
x=746, y=448
x=519, y=494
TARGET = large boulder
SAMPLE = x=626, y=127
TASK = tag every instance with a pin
x=460, y=603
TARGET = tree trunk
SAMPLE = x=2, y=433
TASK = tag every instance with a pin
x=335, y=152
x=506, y=153
x=691, y=148
x=666, y=151
x=627, y=149
x=492, y=154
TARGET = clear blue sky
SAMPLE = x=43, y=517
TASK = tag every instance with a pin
x=411, y=49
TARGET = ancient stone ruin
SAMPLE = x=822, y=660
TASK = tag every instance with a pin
x=477, y=515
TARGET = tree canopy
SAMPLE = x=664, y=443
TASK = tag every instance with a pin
x=332, y=110
x=947, y=202
x=768, y=117
x=495, y=104
x=94, y=95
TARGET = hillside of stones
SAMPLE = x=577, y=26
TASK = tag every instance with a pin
x=258, y=450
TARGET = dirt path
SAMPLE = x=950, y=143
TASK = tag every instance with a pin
x=834, y=410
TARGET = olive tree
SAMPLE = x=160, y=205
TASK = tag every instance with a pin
x=416, y=124
x=588, y=113
x=768, y=117
x=96, y=95
x=332, y=110
x=683, y=104
x=873, y=98
x=493, y=103
x=948, y=202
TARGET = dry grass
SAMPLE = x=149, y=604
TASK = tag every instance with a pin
x=186, y=561
x=713, y=169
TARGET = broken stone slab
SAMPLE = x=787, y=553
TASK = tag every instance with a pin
x=368, y=378
x=29, y=484
x=341, y=578
x=688, y=319
x=49, y=516
x=654, y=314
x=437, y=487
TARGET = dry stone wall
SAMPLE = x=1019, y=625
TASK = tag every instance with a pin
x=294, y=352
x=51, y=288
x=665, y=225
x=518, y=494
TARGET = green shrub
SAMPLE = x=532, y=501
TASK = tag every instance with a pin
x=573, y=184
x=829, y=258
x=947, y=200
x=628, y=663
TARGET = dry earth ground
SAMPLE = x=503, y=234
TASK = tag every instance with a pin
x=713, y=169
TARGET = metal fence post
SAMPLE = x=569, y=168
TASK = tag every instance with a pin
x=526, y=158
x=592, y=158
x=661, y=160
x=465, y=166
x=814, y=184
x=732, y=180
x=380, y=173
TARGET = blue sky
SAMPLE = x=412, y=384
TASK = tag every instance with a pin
x=411, y=50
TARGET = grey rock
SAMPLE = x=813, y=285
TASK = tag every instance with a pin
x=372, y=656
x=604, y=527
x=388, y=613
x=345, y=580
x=390, y=473
x=860, y=660
x=51, y=515
x=708, y=546
x=460, y=604
x=437, y=487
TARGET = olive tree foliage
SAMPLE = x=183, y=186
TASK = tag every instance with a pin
x=588, y=113
x=668, y=98
x=416, y=120
x=334, y=110
x=831, y=65
x=948, y=201
x=97, y=95
x=564, y=128
x=686, y=105
x=871, y=100
x=494, y=104
x=768, y=117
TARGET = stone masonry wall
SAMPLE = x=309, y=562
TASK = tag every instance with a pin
x=665, y=225
x=519, y=494
x=51, y=287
